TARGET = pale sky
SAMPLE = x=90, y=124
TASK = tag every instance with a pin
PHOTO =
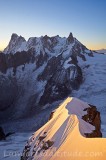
x=86, y=19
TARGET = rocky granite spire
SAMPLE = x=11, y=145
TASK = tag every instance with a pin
x=15, y=42
x=70, y=38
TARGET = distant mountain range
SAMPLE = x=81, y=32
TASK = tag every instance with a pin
x=101, y=51
x=36, y=73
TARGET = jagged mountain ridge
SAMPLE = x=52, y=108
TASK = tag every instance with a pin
x=45, y=44
x=38, y=72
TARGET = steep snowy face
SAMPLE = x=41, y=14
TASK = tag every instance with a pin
x=17, y=43
x=64, y=130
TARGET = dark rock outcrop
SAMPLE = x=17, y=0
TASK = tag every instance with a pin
x=60, y=81
x=8, y=61
x=3, y=135
x=59, y=86
x=70, y=38
x=93, y=117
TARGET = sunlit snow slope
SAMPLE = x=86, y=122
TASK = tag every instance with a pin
x=61, y=138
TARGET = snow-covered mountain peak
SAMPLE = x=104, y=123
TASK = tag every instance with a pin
x=63, y=132
x=16, y=43
x=14, y=36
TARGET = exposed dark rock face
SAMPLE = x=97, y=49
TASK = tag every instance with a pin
x=3, y=135
x=59, y=82
x=9, y=89
x=40, y=59
x=3, y=65
x=93, y=117
x=70, y=38
x=59, y=86
x=13, y=61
